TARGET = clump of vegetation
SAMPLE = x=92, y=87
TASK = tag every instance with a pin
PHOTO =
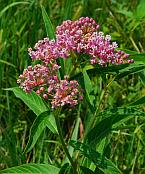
x=84, y=96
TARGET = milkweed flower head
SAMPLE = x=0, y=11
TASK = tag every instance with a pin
x=81, y=37
x=47, y=84
x=37, y=77
x=72, y=34
x=65, y=92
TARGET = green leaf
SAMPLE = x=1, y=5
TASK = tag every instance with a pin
x=111, y=168
x=87, y=82
x=126, y=13
x=140, y=10
x=88, y=87
x=133, y=69
x=66, y=169
x=138, y=57
x=110, y=69
x=93, y=71
x=112, y=119
x=68, y=65
x=75, y=134
x=142, y=77
x=88, y=152
x=138, y=102
x=99, y=160
x=46, y=119
x=48, y=25
x=32, y=100
x=32, y=168
x=85, y=170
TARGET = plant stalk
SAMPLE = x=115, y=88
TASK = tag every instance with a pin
x=63, y=142
x=97, y=111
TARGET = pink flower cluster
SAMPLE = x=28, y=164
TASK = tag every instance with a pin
x=45, y=82
x=65, y=92
x=72, y=35
x=81, y=37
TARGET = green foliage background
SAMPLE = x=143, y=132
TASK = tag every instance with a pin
x=21, y=26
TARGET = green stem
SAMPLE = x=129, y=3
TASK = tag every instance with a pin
x=63, y=142
x=101, y=99
x=134, y=44
x=93, y=119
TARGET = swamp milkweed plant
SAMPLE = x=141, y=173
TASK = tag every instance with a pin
x=80, y=37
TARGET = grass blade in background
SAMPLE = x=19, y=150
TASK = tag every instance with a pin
x=48, y=25
x=7, y=63
x=11, y=5
x=32, y=168
x=41, y=122
x=68, y=9
x=51, y=34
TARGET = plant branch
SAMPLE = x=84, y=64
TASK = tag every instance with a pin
x=63, y=142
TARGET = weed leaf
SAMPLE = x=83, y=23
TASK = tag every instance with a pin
x=44, y=120
x=48, y=25
x=99, y=160
x=88, y=87
x=32, y=168
x=115, y=117
x=32, y=100
x=140, y=10
x=139, y=101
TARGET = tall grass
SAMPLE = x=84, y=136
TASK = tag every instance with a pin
x=21, y=26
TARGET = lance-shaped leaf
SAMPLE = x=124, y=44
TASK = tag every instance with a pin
x=112, y=119
x=32, y=100
x=139, y=101
x=46, y=119
x=99, y=160
x=133, y=69
x=32, y=168
x=88, y=88
x=48, y=25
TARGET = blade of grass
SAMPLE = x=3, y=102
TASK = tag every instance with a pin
x=48, y=25
x=11, y=5
x=68, y=9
